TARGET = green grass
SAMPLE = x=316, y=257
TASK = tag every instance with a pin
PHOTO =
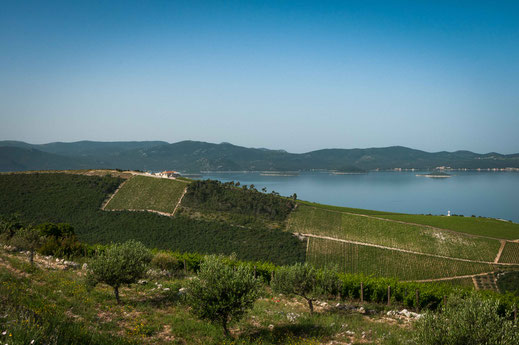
x=353, y=258
x=346, y=209
x=325, y=222
x=148, y=193
x=150, y=315
x=510, y=253
x=470, y=225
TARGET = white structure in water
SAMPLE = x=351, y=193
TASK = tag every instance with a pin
x=448, y=213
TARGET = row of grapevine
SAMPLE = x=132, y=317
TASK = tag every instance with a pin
x=319, y=221
x=510, y=253
x=355, y=258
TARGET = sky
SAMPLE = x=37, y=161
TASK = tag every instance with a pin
x=294, y=75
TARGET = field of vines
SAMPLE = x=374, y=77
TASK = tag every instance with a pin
x=76, y=199
x=510, y=253
x=354, y=258
x=320, y=221
x=142, y=193
x=471, y=225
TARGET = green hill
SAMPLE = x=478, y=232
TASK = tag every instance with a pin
x=214, y=217
x=77, y=199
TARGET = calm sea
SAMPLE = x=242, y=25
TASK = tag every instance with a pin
x=489, y=194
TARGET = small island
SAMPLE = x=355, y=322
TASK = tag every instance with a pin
x=435, y=174
x=279, y=173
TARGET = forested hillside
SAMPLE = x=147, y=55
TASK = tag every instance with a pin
x=195, y=156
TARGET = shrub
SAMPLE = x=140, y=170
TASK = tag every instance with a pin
x=55, y=230
x=166, y=262
x=467, y=321
x=221, y=293
x=119, y=264
x=9, y=225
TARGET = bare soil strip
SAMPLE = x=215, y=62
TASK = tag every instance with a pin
x=112, y=196
x=473, y=276
x=179, y=201
x=416, y=224
x=405, y=250
x=498, y=256
x=141, y=210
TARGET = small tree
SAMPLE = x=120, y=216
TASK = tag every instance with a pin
x=28, y=238
x=306, y=281
x=467, y=320
x=220, y=293
x=119, y=264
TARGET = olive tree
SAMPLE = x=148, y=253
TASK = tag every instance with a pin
x=27, y=238
x=472, y=319
x=305, y=281
x=221, y=293
x=120, y=264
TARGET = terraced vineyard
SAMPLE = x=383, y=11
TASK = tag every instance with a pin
x=327, y=222
x=355, y=258
x=510, y=253
x=148, y=193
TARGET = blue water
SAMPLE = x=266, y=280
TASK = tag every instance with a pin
x=488, y=194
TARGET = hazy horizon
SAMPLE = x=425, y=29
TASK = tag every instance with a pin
x=257, y=147
x=434, y=76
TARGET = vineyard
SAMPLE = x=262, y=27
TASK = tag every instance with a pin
x=76, y=199
x=325, y=222
x=355, y=258
x=510, y=253
x=471, y=225
x=143, y=193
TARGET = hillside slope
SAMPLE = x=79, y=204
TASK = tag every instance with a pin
x=222, y=218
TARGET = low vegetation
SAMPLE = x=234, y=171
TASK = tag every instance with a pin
x=355, y=258
x=76, y=199
x=508, y=282
x=153, y=312
x=148, y=193
x=480, y=226
x=467, y=320
x=320, y=221
x=510, y=253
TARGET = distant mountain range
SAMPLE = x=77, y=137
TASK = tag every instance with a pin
x=196, y=156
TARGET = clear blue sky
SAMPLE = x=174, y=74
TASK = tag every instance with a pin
x=297, y=75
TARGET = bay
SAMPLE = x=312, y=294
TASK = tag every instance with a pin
x=488, y=194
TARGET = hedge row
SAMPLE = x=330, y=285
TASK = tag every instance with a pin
x=375, y=289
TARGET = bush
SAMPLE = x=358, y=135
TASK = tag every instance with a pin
x=166, y=262
x=467, y=321
x=119, y=264
x=221, y=293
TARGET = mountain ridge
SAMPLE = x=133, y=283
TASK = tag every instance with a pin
x=196, y=156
